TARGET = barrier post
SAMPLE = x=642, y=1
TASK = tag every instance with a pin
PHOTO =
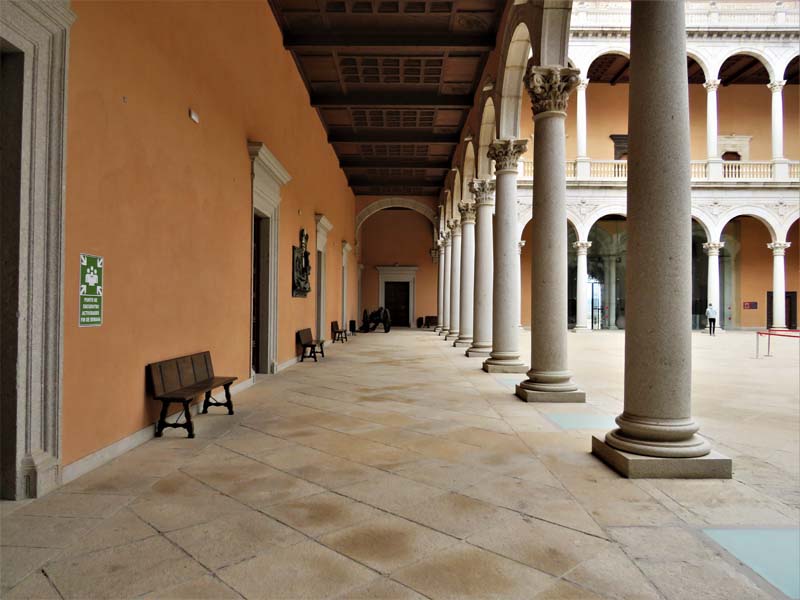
x=758, y=335
x=769, y=344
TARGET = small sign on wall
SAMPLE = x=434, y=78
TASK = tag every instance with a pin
x=749, y=305
x=90, y=291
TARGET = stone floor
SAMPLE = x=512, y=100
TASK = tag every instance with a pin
x=395, y=468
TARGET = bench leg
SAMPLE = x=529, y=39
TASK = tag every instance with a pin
x=162, y=419
x=313, y=353
x=206, y=402
x=229, y=401
x=187, y=411
x=322, y=349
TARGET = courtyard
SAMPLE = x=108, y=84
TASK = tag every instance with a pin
x=395, y=468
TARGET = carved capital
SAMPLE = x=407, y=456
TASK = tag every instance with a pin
x=467, y=210
x=506, y=153
x=776, y=86
x=455, y=227
x=582, y=247
x=712, y=84
x=549, y=87
x=582, y=85
x=448, y=239
x=520, y=245
x=779, y=248
x=435, y=255
x=713, y=248
x=483, y=191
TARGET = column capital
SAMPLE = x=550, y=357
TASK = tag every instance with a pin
x=779, y=248
x=713, y=248
x=482, y=190
x=455, y=227
x=435, y=255
x=448, y=239
x=520, y=244
x=549, y=88
x=712, y=84
x=506, y=153
x=467, y=210
x=582, y=247
x=582, y=85
x=776, y=86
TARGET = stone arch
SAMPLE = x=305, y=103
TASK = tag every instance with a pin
x=586, y=226
x=511, y=89
x=696, y=57
x=469, y=169
x=748, y=51
x=757, y=212
x=703, y=220
x=486, y=136
x=621, y=49
x=571, y=224
x=455, y=198
x=375, y=207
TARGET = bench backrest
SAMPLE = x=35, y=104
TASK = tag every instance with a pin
x=304, y=337
x=335, y=326
x=176, y=373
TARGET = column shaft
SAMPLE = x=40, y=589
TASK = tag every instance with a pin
x=467, y=210
x=483, y=191
x=455, y=282
x=504, y=357
x=440, y=289
x=712, y=249
x=549, y=379
x=582, y=299
x=448, y=247
x=582, y=164
x=612, y=292
x=778, y=284
x=776, y=87
x=714, y=159
x=657, y=420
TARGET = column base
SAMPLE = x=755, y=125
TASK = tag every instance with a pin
x=443, y=331
x=451, y=336
x=577, y=329
x=635, y=466
x=462, y=343
x=527, y=395
x=437, y=329
x=495, y=365
x=473, y=351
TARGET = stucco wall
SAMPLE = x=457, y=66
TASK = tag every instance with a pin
x=167, y=202
x=401, y=237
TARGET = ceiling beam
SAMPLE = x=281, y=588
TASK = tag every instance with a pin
x=393, y=163
x=420, y=43
x=393, y=99
x=392, y=136
x=748, y=68
x=621, y=72
x=369, y=181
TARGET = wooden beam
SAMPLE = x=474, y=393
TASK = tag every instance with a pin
x=374, y=181
x=748, y=69
x=626, y=65
x=420, y=43
x=391, y=100
x=392, y=136
x=393, y=163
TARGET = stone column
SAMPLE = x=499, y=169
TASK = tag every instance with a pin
x=778, y=284
x=467, y=210
x=549, y=379
x=612, y=291
x=712, y=250
x=714, y=160
x=780, y=166
x=483, y=191
x=448, y=256
x=582, y=300
x=520, y=246
x=440, y=288
x=582, y=167
x=455, y=281
x=657, y=436
x=504, y=357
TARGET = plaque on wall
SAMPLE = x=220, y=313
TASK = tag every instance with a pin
x=750, y=305
x=301, y=267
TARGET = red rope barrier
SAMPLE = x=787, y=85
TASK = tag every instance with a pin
x=783, y=334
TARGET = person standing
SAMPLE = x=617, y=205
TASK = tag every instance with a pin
x=711, y=315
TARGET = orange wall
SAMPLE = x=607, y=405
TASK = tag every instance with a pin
x=741, y=110
x=404, y=238
x=167, y=202
x=753, y=268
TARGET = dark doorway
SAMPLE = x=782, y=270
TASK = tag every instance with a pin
x=261, y=279
x=397, y=298
x=791, y=310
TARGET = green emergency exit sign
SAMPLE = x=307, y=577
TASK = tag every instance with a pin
x=90, y=291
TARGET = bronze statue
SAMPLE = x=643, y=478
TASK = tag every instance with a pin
x=301, y=267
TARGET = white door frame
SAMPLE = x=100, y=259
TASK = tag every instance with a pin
x=268, y=176
x=407, y=273
x=324, y=227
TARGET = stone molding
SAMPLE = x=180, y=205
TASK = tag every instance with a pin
x=32, y=438
x=550, y=87
x=506, y=153
x=582, y=247
x=713, y=248
x=482, y=190
x=712, y=85
x=776, y=86
x=467, y=210
x=324, y=226
x=779, y=248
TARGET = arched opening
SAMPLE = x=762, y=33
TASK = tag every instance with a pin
x=511, y=99
x=469, y=171
x=486, y=137
x=743, y=108
x=791, y=74
x=700, y=277
x=606, y=262
x=526, y=274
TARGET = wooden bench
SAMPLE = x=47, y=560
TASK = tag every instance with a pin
x=181, y=380
x=306, y=341
x=337, y=333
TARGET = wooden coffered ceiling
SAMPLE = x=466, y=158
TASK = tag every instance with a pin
x=393, y=81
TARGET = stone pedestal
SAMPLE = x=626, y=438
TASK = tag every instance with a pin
x=504, y=357
x=549, y=379
x=483, y=192
x=455, y=280
x=657, y=422
x=467, y=210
